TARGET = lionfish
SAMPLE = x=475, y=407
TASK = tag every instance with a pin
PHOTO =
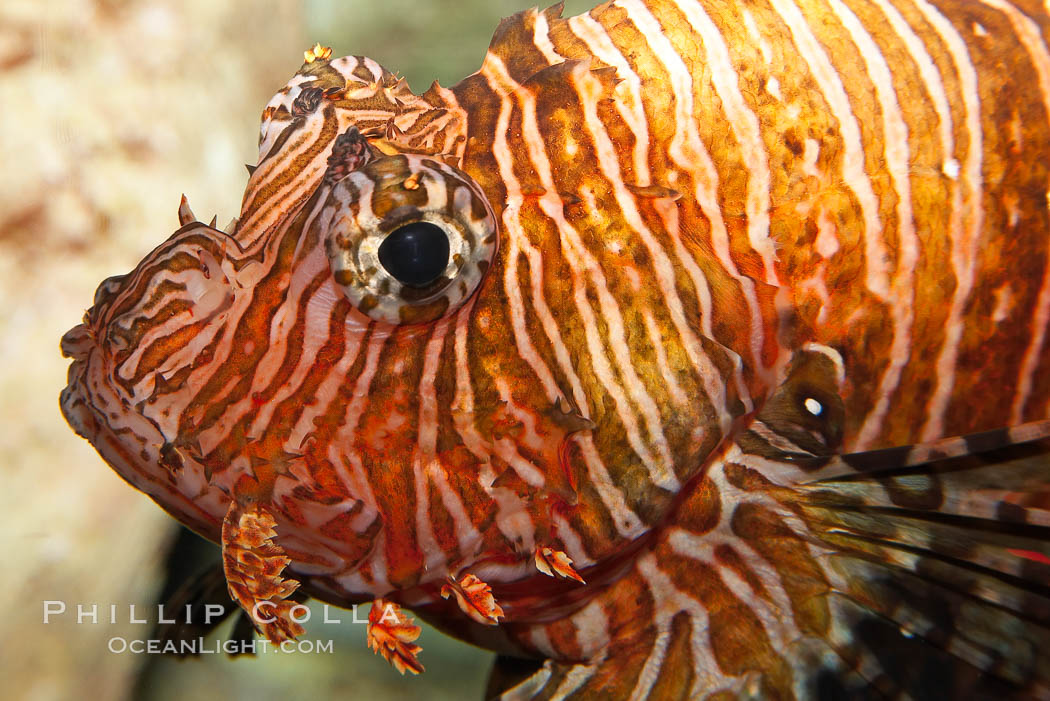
x=690, y=348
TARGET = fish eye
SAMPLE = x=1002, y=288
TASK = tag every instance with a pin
x=409, y=238
x=415, y=254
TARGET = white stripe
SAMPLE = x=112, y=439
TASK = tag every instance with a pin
x=688, y=153
x=576, y=677
x=935, y=89
x=592, y=630
x=678, y=395
x=267, y=215
x=632, y=110
x=714, y=385
x=541, y=37
x=211, y=437
x=630, y=105
x=356, y=479
x=592, y=637
x=895, y=151
x=317, y=313
x=608, y=162
x=542, y=642
x=457, y=116
x=511, y=514
x=855, y=177
x=434, y=558
x=467, y=535
x=775, y=615
x=627, y=522
x=746, y=129
x=1030, y=35
x=668, y=601
x=964, y=258
x=755, y=35
x=515, y=239
x=580, y=259
x=328, y=389
x=589, y=90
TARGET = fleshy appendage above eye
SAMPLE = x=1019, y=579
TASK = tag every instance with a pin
x=409, y=238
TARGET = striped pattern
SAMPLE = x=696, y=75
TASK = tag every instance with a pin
x=736, y=240
x=790, y=572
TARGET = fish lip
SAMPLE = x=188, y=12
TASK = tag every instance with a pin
x=78, y=413
x=74, y=400
x=78, y=342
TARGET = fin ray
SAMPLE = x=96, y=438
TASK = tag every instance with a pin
x=948, y=543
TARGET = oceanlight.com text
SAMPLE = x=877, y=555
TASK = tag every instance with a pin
x=200, y=646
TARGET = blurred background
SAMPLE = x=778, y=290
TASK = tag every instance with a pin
x=112, y=109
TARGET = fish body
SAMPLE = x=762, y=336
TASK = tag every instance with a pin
x=698, y=349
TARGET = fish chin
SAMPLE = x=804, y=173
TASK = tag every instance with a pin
x=79, y=344
x=77, y=412
x=140, y=463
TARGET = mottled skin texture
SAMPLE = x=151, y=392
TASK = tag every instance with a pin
x=735, y=241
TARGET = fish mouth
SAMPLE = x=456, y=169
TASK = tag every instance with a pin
x=78, y=343
x=82, y=339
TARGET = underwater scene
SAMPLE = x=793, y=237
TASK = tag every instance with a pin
x=653, y=349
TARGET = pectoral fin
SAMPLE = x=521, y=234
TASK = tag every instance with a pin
x=920, y=573
x=943, y=551
x=253, y=565
x=929, y=564
x=934, y=558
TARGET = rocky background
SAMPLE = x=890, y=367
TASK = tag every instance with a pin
x=112, y=109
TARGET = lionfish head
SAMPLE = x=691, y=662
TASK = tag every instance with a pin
x=137, y=353
x=305, y=357
x=352, y=364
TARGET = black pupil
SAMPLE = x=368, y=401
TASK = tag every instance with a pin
x=416, y=254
